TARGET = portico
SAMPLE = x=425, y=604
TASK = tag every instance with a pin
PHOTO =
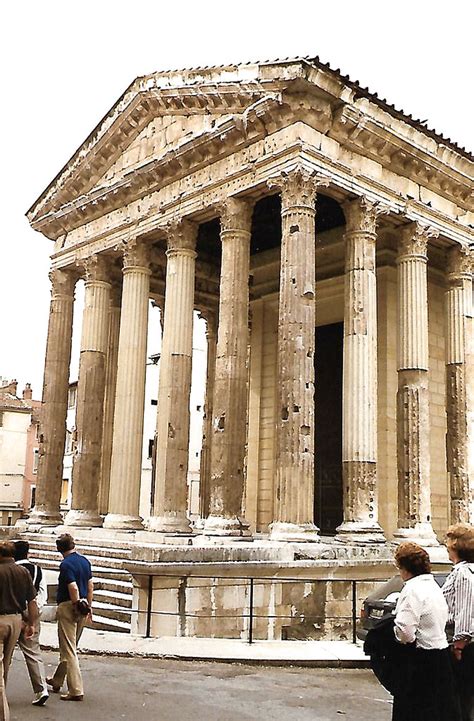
x=276, y=202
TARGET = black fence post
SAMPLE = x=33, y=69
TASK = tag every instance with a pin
x=149, y=606
x=251, y=612
x=354, y=611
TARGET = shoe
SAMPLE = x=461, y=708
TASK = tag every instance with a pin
x=40, y=698
x=68, y=697
x=54, y=687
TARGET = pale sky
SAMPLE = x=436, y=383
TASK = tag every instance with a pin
x=64, y=64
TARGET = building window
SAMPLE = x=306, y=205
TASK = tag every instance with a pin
x=150, y=447
x=72, y=395
x=35, y=460
x=68, y=444
x=33, y=497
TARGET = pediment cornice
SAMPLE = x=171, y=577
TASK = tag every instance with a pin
x=252, y=102
x=144, y=100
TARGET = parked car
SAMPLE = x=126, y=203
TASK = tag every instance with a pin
x=380, y=604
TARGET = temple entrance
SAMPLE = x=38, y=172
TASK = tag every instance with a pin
x=328, y=508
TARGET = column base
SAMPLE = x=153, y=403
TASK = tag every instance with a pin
x=294, y=532
x=84, y=519
x=44, y=517
x=421, y=533
x=169, y=524
x=360, y=532
x=233, y=527
x=121, y=522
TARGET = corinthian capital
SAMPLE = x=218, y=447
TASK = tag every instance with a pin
x=298, y=186
x=181, y=235
x=235, y=214
x=135, y=254
x=460, y=261
x=62, y=281
x=362, y=215
x=414, y=239
x=96, y=267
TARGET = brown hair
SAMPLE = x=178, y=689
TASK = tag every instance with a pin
x=460, y=537
x=7, y=549
x=413, y=558
x=65, y=543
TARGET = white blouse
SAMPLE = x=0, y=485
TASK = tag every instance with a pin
x=421, y=613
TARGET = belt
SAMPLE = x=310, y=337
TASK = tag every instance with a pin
x=10, y=613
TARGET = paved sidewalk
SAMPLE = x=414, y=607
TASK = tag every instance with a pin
x=330, y=654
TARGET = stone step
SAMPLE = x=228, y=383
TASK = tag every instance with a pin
x=101, y=623
x=113, y=598
x=89, y=550
x=112, y=584
x=43, y=554
x=106, y=610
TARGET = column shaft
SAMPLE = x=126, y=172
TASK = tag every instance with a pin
x=126, y=462
x=109, y=399
x=413, y=447
x=205, y=465
x=54, y=403
x=458, y=441
x=359, y=432
x=173, y=417
x=295, y=365
x=229, y=407
x=90, y=397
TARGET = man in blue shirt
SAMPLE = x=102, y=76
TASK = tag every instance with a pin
x=75, y=583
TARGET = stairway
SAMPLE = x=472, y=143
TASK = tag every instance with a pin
x=112, y=605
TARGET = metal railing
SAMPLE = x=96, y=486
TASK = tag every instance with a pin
x=249, y=612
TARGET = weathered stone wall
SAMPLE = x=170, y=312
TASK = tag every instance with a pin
x=437, y=387
x=330, y=310
x=219, y=608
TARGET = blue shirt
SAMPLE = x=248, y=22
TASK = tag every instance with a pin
x=73, y=569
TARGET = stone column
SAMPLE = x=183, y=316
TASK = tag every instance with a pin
x=359, y=409
x=90, y=395
x=109, y=400
x=205, y=465
x=126, y=462
x=229, y=407
x=458, y=440
x=173, y=418
x=52, y=432
x=295, y=364
x=413, y=422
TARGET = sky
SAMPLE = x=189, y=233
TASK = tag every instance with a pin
x=64, y=64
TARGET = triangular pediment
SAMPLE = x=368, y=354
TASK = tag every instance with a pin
x=168, y=122
x=156, y=111
x=162, y=134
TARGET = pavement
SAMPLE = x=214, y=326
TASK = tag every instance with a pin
x=329, y=654
x=153, y=689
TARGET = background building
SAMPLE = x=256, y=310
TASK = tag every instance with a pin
x=19, y=419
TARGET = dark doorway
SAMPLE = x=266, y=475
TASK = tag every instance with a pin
x=328, y=425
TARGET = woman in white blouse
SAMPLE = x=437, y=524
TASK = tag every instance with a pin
x=458, y=591
x=421, y=613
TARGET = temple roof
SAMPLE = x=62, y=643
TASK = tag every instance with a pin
x=225, y=90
